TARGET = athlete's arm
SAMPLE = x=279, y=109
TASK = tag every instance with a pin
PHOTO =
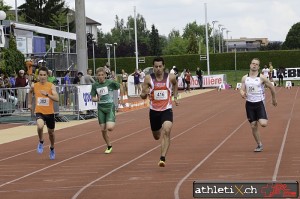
x=54, y=95
x=146, y=87
x=30, y=94
x=175, y=87
x=268, y=84
x=243, y=87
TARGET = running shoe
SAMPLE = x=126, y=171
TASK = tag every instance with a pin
x=52, y=154
x=40, y=148
x=161, y=163
x=259, y=148
x=108, y=150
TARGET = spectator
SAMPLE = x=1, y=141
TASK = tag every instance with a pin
x=88, y=79
x=182, y=76
x=280, y=75
x=21, y=83
x=141, y=78
x=188, y=77
x=124, y=81
x=79, y=79
x=174, y=71
x=199, y=75
x=136, y=78
x=51, y=78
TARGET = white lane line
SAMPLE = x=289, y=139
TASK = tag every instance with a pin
x=176, y=191
x=65, y=140
x=140, y=156
x=284, y=140
x=37, y=171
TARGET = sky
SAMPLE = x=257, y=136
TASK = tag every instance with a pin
x=270, y=19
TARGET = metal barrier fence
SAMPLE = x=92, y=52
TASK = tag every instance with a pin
x=74, y=104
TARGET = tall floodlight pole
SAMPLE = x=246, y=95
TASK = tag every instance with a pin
x=108, y=52
x=115, y=62
x=220, y=25
x=136, y=45
x=16, y=10
x=68, y=47
x=206, y=33
x=213, y=22
x=235, y=62
x=81, y=41
x=222, y=42
x=227, y=31
x=94, y=62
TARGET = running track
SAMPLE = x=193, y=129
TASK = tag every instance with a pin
x=211, y=140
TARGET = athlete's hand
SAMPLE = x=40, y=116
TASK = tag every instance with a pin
x=274, y=102
x=243, y=94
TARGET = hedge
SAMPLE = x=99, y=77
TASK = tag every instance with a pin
x=223, y=61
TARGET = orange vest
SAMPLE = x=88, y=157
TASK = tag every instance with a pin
x=160, y=93
x=43, y=104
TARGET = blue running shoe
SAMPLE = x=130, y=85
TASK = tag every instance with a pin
x=40, y=148
x=52, y=154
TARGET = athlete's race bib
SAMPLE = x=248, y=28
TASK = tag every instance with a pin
x=253, y=89
x=102, y=91
x=160, y=94
x=41, y=101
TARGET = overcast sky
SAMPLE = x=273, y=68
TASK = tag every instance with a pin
x=270, y=19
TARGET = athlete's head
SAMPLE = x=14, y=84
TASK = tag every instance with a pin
x=254, y=65
x=101, y=74
x=43, y=74
x=158, y=65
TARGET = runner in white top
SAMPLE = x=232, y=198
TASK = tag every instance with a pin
x=253, y=91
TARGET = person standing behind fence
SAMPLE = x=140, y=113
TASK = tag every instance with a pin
x=188, y=77
x=124, y=81
x=280, y=74
x=102, y=93
x=182, y=76
x=21, y=83
x=199, y=75
x=136, y=81
x=45, y=94
x=67, y=89
x=51, y=78
x=88, y=79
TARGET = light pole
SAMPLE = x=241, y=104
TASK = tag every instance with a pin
x=16, y=10
x=108, y=52
x=222, y=43
x=213, y=22
x=115, y=44
x=220, y=25
x=68, y=50
x=235, y=62
x=94, y=63
x=227, y=31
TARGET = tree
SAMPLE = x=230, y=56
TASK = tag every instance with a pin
x=292, y=40
x=155, y=48
x=41, y=12
x=276, y=45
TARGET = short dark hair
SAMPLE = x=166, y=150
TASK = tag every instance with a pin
x=157, y=59
x=80, y=73
x=43, y=68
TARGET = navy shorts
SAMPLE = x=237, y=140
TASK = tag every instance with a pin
x=48, y=119
x=157, y=118
x=256, y=111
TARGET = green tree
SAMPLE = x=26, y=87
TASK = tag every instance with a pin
x=292, y=40
x=155, y=48
x=41, y=12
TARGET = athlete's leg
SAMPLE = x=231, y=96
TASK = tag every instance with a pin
x=255, y=132
x=166, y=139
x=51, y=137
x=40, y=127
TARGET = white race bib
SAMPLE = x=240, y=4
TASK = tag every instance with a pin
x=102, y=91
x=160, y=94
x=253, y=89
x=41, y=101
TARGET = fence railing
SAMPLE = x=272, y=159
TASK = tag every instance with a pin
x=74, y=104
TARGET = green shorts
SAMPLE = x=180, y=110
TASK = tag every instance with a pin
x=106, y=113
